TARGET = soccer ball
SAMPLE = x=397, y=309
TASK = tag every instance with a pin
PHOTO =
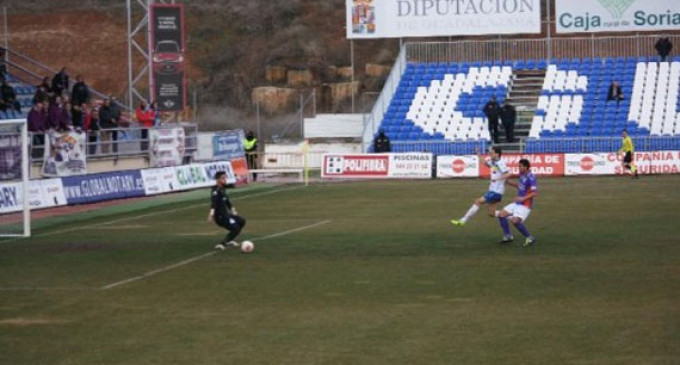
x=247, y=247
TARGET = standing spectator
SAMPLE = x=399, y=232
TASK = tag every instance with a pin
x=81, y=92
x=60, y=82
x=108, y=124
x=45, y=85
x=37, y=125
x=91, y=126
x=664, y=47
x=56, y=115
x=3, y=65
x=381, y=143
x=615, y=92
x=8, y=98
x=508, y=118
x=146, y=118
x=41, y=94
x=67, y=117
x=77, y=117
x=156, y=114
x=250, y=145
x=492, y=111
x=115, y=114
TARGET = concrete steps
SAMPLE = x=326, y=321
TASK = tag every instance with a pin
x=524, y=93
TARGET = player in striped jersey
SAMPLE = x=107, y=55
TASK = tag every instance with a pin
x=499, y=173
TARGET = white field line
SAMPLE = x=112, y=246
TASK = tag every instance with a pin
x=142, y=216
x=38, y=288
x=200, y=257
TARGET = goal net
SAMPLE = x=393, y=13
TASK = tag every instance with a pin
x=15, y=214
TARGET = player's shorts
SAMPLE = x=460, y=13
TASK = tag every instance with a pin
x=628, y=158
x=518, y=210
x=230, y=222
x=492, y=197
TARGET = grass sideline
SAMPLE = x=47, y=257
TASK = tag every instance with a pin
x=387, y=281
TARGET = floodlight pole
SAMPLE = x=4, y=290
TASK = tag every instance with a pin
x=549, y=45
x=128, y=6
x=6, y=34
x=142, y=47
x=351, y=51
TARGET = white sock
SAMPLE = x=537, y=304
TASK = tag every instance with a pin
x=472, y=211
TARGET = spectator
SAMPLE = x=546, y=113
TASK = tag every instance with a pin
x=615, y=92
x=81, y=92
x=45, y=85
x=108, y=123
x=381, y=143
x=156, y=114
x=115, y=114
x=3, y=65
x=664, y=47
x=60, y=82
x=55, y=115
x=37, y=124
x=146, y=118
x=67, y=119
x=492, y=111
x=41, y=94
x=77, y=117
x=91, y=126
x=508, y=118
x=250, y=145
x=8, y=98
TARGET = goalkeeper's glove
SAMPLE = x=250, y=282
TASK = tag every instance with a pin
x=211, y=214
x=233, y=211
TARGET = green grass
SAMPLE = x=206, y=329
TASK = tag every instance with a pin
x=387, y=281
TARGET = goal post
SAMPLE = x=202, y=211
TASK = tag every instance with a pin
x=15, y=210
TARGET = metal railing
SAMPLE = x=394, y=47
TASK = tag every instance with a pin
x=118, y=142
x=599, y=144
x=543, y=145
x=383, y=102
x=537, y=49
x=31, y=72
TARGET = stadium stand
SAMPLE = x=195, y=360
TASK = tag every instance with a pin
x=24, y=95
x=442, y=102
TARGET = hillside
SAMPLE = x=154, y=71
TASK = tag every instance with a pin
x=230, y=43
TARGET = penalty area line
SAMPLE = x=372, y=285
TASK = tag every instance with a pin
x=200, y=257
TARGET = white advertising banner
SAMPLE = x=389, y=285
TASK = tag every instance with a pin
x=410, y=165
x=574, y=16
x=378, y=166
x=212, y=167
x=167, y=147
x=659, y=162
x=368, y=19
x=41, y=194
x=52, y=193
x=192, y=177
x=64, y=154
x=457, y=166
x=159, y=181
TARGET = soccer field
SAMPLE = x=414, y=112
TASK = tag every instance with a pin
x=353, y=273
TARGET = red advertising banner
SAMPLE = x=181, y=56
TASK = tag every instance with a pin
x=240, y=167
x=544, y=164
x=356, y=166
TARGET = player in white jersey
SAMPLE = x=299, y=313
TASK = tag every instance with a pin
x=499, y=173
